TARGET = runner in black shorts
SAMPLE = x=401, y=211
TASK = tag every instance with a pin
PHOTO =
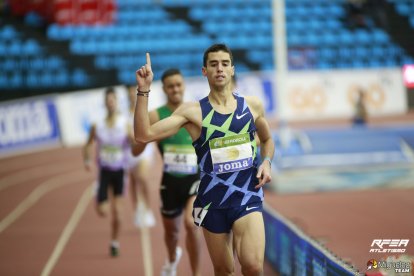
x=113, y=136
x=110, y=179
x=175, y=192
x=180, y=179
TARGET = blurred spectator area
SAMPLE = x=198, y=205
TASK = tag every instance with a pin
x=103, y=42
x=90, y=12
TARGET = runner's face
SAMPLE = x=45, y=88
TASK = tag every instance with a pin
x=174, y=88
x=111, y=103
x=219, y=69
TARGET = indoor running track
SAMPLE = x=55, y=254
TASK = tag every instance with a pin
x=48, y=225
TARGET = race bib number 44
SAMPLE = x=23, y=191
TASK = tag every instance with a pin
x=230, y=154
x=180, y=159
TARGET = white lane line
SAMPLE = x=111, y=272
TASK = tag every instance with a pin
x=36, y=194
x=32, y=173
x=67, y=232
x=146, y=251
x=146, y=247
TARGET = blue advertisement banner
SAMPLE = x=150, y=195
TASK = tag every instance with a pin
x=28, y=124
x=290, y=252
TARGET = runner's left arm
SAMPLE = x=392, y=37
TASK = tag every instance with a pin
x=267, y=145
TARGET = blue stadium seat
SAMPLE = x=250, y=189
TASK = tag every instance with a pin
x=363, y=37
x=58, y=32
x=15, y=49
x=379, y=36
x=31, y=48
x=374, y=63
x=324, y=65
x=326, y=53
x=61, y=78
x=403, y=8
x=79, y=77
x=197, y=13
x=10, y=64
x=8, y=32
x=329, y=39
x=37, y=64
x=346, y=38
x=332, y=23
x=3, y=80
x=16, y=80
x=47, y=79
x=54, y=62
x=33, y=79
x=361, y=52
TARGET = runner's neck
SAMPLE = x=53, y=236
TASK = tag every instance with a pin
x=223, y=101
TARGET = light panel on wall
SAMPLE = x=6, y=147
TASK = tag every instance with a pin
x=408, y=75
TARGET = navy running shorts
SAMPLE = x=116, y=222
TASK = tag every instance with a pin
x=221, y=220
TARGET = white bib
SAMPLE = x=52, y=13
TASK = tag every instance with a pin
x=180, y=159
x=232, y=153
x=111, y=154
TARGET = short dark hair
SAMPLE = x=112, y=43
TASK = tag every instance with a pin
x=170, y=72
x=216, y=48
x=109, y=90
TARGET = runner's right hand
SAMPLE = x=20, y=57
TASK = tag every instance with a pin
x=145, y=76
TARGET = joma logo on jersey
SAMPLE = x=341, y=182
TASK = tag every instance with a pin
x=233, y=166
x=384, y=246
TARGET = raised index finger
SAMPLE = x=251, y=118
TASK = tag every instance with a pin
x=148, y=59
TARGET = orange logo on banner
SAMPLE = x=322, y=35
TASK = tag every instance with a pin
x=307, y=99
x=374, y=95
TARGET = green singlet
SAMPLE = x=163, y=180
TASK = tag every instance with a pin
x=177, y=151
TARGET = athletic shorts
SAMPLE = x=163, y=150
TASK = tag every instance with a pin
x=110, y=179
x=175, y=192
x=221, y=220
x=147, y=154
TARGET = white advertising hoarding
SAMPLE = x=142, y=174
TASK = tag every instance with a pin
x=332, y=94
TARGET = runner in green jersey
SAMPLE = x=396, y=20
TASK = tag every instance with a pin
x=179, y=181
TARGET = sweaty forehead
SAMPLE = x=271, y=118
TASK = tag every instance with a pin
x=218, y=56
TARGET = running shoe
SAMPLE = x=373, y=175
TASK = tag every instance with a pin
x=139, y=216
x=149, y=219
x=114, y=251
x=170, y=269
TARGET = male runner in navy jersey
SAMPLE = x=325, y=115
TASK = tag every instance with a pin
x=223, y=127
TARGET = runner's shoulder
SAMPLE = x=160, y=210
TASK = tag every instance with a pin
x=188, y=108
x=254, y=102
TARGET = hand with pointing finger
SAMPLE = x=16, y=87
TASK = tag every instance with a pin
x=144, y=76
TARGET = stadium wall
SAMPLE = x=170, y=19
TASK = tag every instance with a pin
x=332, y=94
x=66, y=118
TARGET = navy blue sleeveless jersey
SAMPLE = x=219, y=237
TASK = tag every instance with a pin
x=227, y=156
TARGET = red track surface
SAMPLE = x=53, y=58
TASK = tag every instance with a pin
x=346, y=222
x=39, y=194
